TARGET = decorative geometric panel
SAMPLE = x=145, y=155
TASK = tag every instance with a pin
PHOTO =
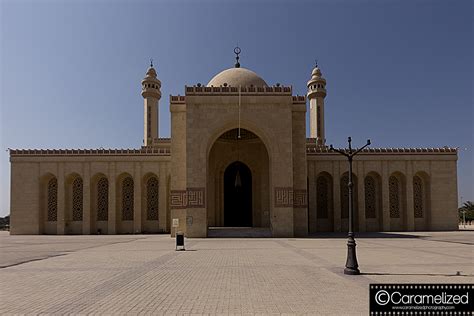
x=77, y=199
x=103, y=199
x=152, y=199
x=344, y=197
x=322, y=191
x=300, y=199
x=418, y=196
x=52, y=200
x=178, y=199
x=127, y=199
x=394, y=198
x=196, y=198
x=189, y=198
x=287, y=197
x=370, y=202
x=283, y=197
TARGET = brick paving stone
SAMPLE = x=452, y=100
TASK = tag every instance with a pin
x=143, y=275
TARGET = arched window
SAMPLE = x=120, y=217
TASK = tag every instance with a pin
x=418, y=196
x=77, y=199
x=127, y=199
x=394, y=197
x=322, y=191
x=370, y=200
x=152, y=199
x=52, y=200
x=103, y=199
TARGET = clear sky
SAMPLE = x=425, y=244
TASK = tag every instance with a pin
x=398, y=72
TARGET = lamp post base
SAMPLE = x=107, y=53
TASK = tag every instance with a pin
x=351, y=271
x=352, y=267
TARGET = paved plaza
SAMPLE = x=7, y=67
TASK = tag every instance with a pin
x=143, y=274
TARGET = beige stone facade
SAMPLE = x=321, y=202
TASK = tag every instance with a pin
x=238, y=156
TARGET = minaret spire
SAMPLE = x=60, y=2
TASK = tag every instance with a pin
x=316, y=94
x=151, y=93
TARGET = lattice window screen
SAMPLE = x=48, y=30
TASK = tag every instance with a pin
x=103, y=199
x=52, y=200
x=152, y=199
x=127, y=199
x=370, y=198
x=344, y=197
x=394, y=198
x=418, y=196
x=322, y=201
x=77, y=202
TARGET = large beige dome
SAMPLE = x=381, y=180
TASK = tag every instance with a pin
x=237, y=77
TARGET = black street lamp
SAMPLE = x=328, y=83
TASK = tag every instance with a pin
x=352, y=267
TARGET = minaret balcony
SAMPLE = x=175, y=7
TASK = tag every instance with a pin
x=316, y=92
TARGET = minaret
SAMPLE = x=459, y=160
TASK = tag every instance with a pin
x=316, y=95
x=151, y=94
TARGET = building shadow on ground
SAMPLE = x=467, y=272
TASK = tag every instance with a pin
x=364, y=235
x=456, y=274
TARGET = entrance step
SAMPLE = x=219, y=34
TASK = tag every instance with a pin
x=239, y=232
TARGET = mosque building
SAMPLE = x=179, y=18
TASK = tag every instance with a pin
x=238, y=156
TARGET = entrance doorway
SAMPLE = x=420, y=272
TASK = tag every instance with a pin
x=237, y=195
x=248, y=203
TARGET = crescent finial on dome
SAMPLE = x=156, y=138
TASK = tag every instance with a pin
x=237, y=51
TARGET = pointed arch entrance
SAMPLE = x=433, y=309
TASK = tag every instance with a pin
x=238, y=189
x=237, y=195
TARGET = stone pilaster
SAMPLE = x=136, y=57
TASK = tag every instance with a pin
x=300, y=173
x=360, y=173
x=178, y=167
x=112, y=228
x=61, y=201
x=137, y=199
x=312, y=198
x=86, y=200
x=163, y=198
x=409, y=202
x=385, y=197
x=337, y=196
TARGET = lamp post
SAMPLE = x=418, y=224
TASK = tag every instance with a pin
x=352, y=267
